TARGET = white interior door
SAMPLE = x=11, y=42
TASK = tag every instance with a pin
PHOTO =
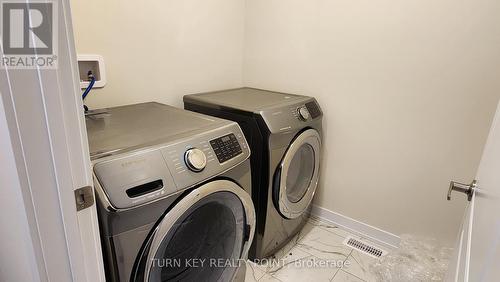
x=477, y=255
x=44, y=160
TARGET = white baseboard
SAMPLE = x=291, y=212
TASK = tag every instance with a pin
x=379, y=236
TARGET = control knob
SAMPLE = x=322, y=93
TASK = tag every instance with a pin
x=303, y=113
x=195, y=159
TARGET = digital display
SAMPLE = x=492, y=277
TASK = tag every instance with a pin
x=313, y=109
x=226, y=147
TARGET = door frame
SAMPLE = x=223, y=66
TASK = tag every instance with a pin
x=42, y=111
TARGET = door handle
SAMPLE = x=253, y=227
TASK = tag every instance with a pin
x=467, y=189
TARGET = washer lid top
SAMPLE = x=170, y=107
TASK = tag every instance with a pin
x=247, y=99
x=141, y=125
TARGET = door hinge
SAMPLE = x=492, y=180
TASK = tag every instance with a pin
x=84, y=198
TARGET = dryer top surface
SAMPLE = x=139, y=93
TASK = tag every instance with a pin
x=246, y=99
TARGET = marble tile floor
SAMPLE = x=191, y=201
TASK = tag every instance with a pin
x=317, y=254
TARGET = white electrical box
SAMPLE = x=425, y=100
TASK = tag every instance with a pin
x=95, y=64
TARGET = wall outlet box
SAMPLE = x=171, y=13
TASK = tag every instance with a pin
x=94, y=63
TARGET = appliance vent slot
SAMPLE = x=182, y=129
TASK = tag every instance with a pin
x=364, y=247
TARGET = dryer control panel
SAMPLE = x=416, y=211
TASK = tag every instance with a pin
x=297, y=114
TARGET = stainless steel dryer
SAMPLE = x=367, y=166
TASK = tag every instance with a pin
x=172, y=193
x=284, y=133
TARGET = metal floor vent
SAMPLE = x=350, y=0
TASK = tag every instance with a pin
x=364, y=247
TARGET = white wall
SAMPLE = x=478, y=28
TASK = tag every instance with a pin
x=160, y=50
x=408, y=89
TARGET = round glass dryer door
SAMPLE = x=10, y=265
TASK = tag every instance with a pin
x=204, y=237
x=297, y=176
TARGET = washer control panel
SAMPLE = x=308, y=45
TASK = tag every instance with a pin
x=136, y=177
x=226, y=147
x=199, y=158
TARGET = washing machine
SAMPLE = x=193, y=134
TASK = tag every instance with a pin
x=284, y=133
x=172, y=190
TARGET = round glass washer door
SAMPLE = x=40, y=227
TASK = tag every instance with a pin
x=204, y=237
x=297, y=176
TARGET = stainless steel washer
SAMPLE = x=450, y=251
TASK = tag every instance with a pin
x=172, y=193
x=284, y=133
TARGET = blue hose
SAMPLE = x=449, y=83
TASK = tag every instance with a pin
x=87, y=90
